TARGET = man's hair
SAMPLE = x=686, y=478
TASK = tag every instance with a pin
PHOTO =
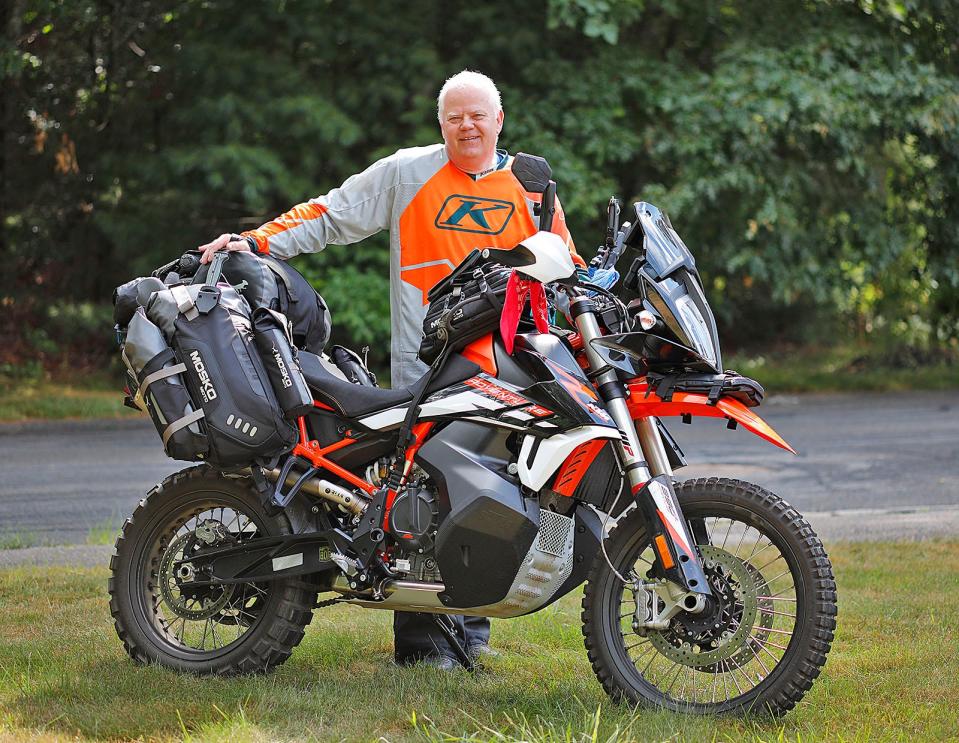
x=469, y=79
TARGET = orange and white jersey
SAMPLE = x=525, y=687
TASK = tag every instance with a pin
x=436, y=215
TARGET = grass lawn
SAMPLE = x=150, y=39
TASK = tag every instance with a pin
x=840, y=369
x=21, y=400
x=893, y=673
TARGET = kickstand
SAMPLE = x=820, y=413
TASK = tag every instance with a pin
x=446, y=626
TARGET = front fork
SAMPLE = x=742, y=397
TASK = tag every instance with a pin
x=650, y=477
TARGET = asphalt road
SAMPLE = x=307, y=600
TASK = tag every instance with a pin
x=869, y=466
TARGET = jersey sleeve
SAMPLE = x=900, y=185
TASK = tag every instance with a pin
x=361, y=207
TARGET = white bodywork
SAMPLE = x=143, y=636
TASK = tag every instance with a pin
x=553, y=452
x=553, y=261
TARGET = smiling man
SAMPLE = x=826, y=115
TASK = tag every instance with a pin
x=438, y=202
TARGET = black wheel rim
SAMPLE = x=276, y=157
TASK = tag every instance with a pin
x=199, y=623
x=694, y=664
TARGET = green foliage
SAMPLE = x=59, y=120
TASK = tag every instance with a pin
x=807, y=152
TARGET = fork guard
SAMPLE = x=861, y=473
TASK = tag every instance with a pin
x=644, y=402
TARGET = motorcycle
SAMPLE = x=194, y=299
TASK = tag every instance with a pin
x=501, y=482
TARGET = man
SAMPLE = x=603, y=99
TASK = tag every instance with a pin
x=438, y=202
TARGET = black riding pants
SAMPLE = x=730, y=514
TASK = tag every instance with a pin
x=416, y=636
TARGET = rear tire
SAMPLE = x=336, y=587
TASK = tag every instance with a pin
x=772, y=638
x=259, y=624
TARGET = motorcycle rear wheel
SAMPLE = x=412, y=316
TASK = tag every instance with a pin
x=224, y=630
x=762, y=643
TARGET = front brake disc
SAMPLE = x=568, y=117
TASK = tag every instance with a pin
x=736, y=615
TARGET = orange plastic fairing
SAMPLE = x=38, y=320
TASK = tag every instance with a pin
x=688, y=403
x=575, y=466
x=480, y=352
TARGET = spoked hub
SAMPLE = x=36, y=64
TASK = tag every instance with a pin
x=191, y=614
x=718, y=634
x=732, y=646
x=178, y=582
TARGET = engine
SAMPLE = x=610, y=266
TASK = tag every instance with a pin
x=412, y=520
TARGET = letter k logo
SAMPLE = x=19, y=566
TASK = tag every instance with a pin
x=473, y=210
x=473, y=214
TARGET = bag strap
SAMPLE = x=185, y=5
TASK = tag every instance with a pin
x=168, y=371
x=185, y=421
x=279, y=269
x=184, y=301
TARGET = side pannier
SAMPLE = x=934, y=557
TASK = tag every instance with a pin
x=156, y=385
x=208, y=375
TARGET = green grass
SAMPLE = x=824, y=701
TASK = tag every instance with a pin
x=893, y=673
x=840, y=369
x=104, y=532
x=18, y=540
x=21, y=400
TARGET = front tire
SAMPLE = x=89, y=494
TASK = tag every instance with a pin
x=762, y=642
x=240, y=628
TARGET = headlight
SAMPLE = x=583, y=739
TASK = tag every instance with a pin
x=696, y=328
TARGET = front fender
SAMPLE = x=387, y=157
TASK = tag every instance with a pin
x=643, y=403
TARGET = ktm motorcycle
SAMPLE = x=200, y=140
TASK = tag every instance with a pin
x=499, y=483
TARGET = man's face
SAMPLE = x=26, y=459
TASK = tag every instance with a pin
x=470, y=124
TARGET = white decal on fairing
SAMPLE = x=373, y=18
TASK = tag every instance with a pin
x=518, y=415
x=552, y=452
x=463, y=402
x=385, y=418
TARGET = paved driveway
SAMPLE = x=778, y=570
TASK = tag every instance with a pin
x=869, y=466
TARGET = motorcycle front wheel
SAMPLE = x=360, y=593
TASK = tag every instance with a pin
x=767, y=629
x=164, y=615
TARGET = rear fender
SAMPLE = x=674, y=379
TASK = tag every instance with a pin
x=643, y=403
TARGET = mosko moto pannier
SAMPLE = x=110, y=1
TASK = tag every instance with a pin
x=221, y=382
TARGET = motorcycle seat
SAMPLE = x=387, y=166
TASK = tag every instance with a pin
x=356, y=400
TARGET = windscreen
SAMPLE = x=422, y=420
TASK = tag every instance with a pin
x=665, y=250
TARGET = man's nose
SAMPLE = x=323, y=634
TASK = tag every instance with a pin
x=467, y=123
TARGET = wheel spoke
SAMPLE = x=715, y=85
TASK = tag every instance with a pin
x=764, y=610
x=749, y=644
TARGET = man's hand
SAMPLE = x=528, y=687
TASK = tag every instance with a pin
x=230, y=242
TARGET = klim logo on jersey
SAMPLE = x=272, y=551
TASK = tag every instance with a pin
x=474, y=214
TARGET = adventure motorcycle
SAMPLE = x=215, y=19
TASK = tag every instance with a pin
x=489, y=488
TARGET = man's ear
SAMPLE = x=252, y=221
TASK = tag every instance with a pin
x=499, y=121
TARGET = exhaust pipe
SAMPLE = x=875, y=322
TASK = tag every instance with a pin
x=326, y=490
x=399, y=595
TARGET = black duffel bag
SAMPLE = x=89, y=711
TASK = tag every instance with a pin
x=266, y=282
x=469, y=308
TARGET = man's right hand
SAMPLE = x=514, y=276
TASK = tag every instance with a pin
x=230, y=242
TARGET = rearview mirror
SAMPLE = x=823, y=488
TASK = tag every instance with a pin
x=532, y=171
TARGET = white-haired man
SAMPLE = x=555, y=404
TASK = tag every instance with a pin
x=438, y=202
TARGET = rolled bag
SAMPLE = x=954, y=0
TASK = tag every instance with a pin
x=278, y=353
x=157, y=387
